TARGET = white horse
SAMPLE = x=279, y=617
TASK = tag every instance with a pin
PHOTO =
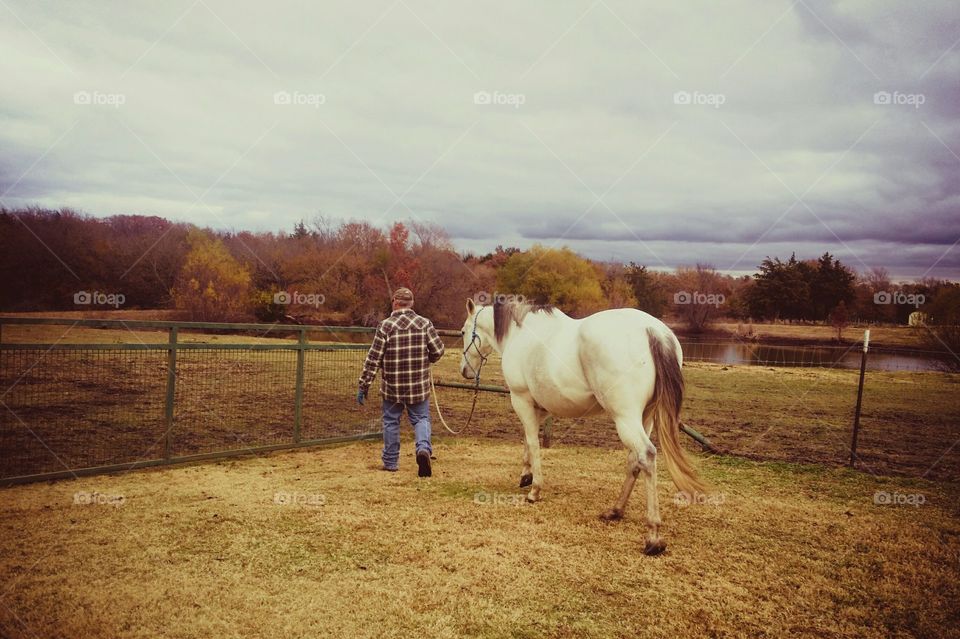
x=621, y=361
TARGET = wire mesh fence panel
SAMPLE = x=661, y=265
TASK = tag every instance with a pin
x=103, y=403
x=73, y=409
x=791, y=414
x=492, y=417
x=330, y=395
x=233, y=399
x=911, y=425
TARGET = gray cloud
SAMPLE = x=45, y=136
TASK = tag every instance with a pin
x=398, y=119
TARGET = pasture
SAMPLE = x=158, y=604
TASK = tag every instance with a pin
x=206, y=550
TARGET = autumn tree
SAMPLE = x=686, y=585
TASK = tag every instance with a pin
x=46, y=256
x=402, y=264
x=616, y=287
x=554, y=276
x=499, y=256
x=213, y=285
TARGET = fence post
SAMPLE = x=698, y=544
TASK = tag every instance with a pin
x=298, y=394
x=171, y=392
x=547, y=428
x=856, y=414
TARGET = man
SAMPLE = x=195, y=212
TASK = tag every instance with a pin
x=404, y=346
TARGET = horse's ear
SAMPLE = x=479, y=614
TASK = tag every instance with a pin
x=470, y=306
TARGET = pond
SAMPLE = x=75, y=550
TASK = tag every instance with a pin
x=847, y=357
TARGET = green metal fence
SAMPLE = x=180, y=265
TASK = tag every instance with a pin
x=77, y=401
x=70, y=409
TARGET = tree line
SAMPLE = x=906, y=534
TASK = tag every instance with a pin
x=343, y=273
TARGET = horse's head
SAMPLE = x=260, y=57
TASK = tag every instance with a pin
x=477, y=339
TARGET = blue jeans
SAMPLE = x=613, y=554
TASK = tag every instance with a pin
x=419, y=415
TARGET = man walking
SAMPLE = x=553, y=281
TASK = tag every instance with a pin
x=404, y=346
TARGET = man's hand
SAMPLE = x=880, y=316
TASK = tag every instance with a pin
x=361, y=396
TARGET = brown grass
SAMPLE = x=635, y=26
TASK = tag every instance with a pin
x=201, y=551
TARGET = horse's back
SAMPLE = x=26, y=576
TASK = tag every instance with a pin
x=623, y=323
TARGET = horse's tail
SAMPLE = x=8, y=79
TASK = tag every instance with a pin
x=665, y=409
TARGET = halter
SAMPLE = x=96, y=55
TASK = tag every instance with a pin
x=475, y=344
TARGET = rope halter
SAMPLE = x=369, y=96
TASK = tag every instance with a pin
x=475, y=344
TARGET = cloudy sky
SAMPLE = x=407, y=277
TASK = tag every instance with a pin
x=660, y=132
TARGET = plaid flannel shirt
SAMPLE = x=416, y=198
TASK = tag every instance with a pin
x=404, y=347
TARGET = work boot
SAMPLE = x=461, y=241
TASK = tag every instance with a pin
x=423, y=464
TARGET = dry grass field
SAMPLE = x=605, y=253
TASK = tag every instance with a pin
x=320, y=543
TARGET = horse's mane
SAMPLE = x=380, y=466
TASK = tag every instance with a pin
x=505, y=314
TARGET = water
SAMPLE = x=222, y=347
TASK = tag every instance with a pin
x=878, y=359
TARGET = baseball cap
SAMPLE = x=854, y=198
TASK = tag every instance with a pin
x=403, y=295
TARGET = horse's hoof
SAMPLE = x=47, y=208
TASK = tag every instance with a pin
x=533, y=497
x=654, y=548
x=614, y=514
x=526, y=480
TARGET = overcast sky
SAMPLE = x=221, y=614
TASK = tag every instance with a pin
x=663, y=133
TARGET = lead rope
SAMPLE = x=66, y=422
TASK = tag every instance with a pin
x=473, y=407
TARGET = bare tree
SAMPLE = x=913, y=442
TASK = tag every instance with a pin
x=840, y=319
x=701, y=295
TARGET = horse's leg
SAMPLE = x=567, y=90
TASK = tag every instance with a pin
x=641, y=459
x=526, y=475
x=655, y=545
x=527, y=413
